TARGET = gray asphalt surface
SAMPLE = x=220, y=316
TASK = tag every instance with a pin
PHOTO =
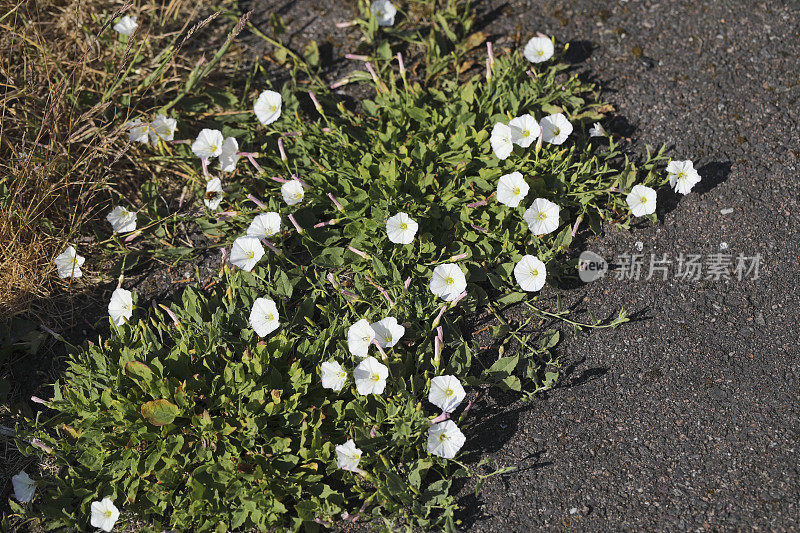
x=686, y=419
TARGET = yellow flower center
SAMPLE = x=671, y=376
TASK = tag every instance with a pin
x=541, y=52
x=449, y=281
x=251, y=255
x=107, y=514
x=273, y=108
x=376, y=377
x=681, y=175
x=442, y=437
x=403, y=226
x=448, y=392
x=75, y=261
x=542, y=215
x=342, y=374
x=556, y=131
x=388, y=338
x=270, y=317
x=526, y=133
x=643, y=199
x=516, y=191
x=534, y=273
x=213, y=147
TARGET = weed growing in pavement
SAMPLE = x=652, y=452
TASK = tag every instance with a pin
x=322, y=375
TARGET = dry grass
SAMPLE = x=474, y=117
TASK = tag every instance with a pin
x=67, y=86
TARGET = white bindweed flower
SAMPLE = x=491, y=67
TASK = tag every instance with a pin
x=24, y=487
x=122, y=220
x=501, y=141
x=682, y=176
x=268, y=107
x=126, y=25
x=292, y=192
x=138, y=131
x=208, y=144
x=597, y=130
x=370, y=376
x=359, y=336
x=214, y=194
x=445, y=439
x=383, y=11
x=642, y=200
x=538, y=49
x=264, y=317
x=333, y=375
x=530, y=273
x=246, y=252
x=388, y=332
x=448, y=281
x=120, y=308
x=446, y=393
x=348, y=456
x=542, y=216
x=555, y=128
x=265, y=225
x=524, y=130
x=163, y=128
x=69, y=263
x=511, y=189
x=401, y=228
x=230, y=155
x=104, y=514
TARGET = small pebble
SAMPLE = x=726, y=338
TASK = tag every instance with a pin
x=726, y=211
x=723, y=245
x=639, y=245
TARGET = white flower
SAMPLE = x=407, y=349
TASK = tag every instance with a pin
x=229, y=156
x=597, y=130
x=359, y=336
x=69, y=263
x=268, y=107
x=542, y=216
x=333, y=375
x=682, y=176
x=530, y=273
x=208, y=144
x=292, y=192
x=501, y=141
x=264, y=317
x=448, y=281
x=370, y=376
x=122, y=220
x=138, y=131
x=214, y=194
x=383, y=11
x=524, y=130
x=445, y=439
x=245, y=252
x=555, y=128
x=265, y=225
x=401, y=228
x=446, y=393
x=120, y=308
x=162, y=128
x=348, y=456
x=126, y=25
x=24, y=487
x=642, y=200
x=538, y=49
x=388, y=332
x=511, y=189
x=104, y=514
